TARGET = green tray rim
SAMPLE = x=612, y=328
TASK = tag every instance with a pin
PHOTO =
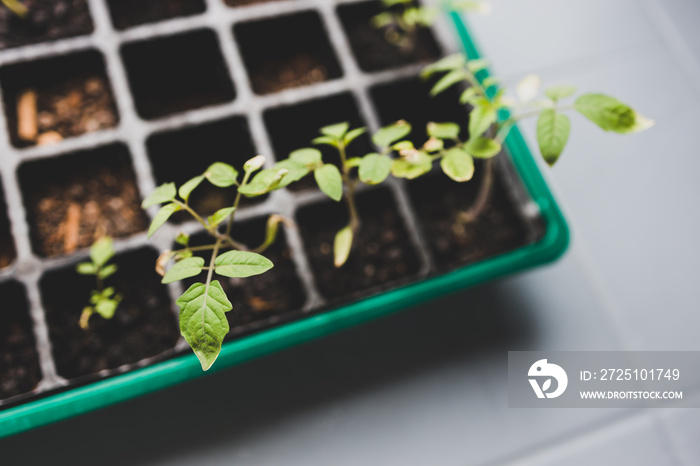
x=164, y=374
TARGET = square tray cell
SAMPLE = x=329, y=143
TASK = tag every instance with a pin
x=382, y=253
x=294, y=127
x=143, y=325
x=7, y=243
x=46, y=20
x=391, y=102
x=177, y=73
x=56, y=98
x=19, y=361
x=263, y=300
x=370, y=46
x=180, y=155
x=130, y=13
x=285, y=52
x=72, y=200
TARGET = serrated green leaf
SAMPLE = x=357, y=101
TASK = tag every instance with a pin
x=190, y=267
x=482, y=148
x=450, y=79
x=374, y=168
x=187, y=188
x=308, y=157
x=458, y=164
x=560, y=91
x=203, y=321
x=385, y=136
x=295, y=171
x=241, y=264
x=353, y=134
x=401, y=168
x=221, y=174
x=102, y=251
x=162, y=194
x=107, y=271
x=220, y=215
x=443, y=130
x=341, y=246
x=450, y=62
x=264, y=182
x=336, y=131
x=609, y=113
x=480, y=120
x=182, y=238
x=552, y=134
x=161, y=217
x=85, y=268
x=330, y=181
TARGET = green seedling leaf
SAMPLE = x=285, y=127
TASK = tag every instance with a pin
x=221, y=174
x=241, y=264
x=353, y=134
x=203, y=320
x=85, y=268
x=490, y=82
x=271, y=230
x=308, y=157
x=161, y=217
x=162, y=194
x=402, y=146
x=182, y=238
x=458, y=164
x=353, y=162
x=264, y=182
x=483, y=8
x=382, y=20
x=443, y=130
x=402, y=168
x=107, y=271
x=528, y=88
x=433, y=145
x=187, y=188
x=336, y=131
x=220, y=215
x=106, y=307
x=469, y=96
x=387, y=135
x=253, y=164
x=327, y=140
x=374, y=168
x=480, y=120
x=186, y=268
x=295, y=171
x=552, y=133
x=450, y=62
x=342, y=246
x=560, y=91
x=102, y=251
x=482, y=148
x=477, y=65
x=451, y=78
x=610, y=114
x=330, y=181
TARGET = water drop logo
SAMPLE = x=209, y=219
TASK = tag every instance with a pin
x=544, y=372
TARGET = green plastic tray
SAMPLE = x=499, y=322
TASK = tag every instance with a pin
x=165, y=374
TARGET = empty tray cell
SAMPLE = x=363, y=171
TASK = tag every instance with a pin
x=286, y=52
x=382, y=252
x=177, y=73
x=262, y=300
x=370, y=46
x=180, y=155
x=46, y=20
x=392, y=103
x=19, y=362
x=72, y=200
x=130, y=13
x=56, y=98
x=295, y=126
x=143, y=324
x=7, y=243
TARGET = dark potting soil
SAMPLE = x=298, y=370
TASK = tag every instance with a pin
x=265, y=298
x=50, y=100
x=176, y=73
x=19, y=362
x=370, y=46
x=143, y=325
x=130, y=13
x=437, y=201
x=46, y=20
x=286, y=52
x=177, y=156
x=382, y=251
x=73, y=200
x=7, y=243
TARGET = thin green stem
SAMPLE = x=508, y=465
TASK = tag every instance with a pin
x=350, y=195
